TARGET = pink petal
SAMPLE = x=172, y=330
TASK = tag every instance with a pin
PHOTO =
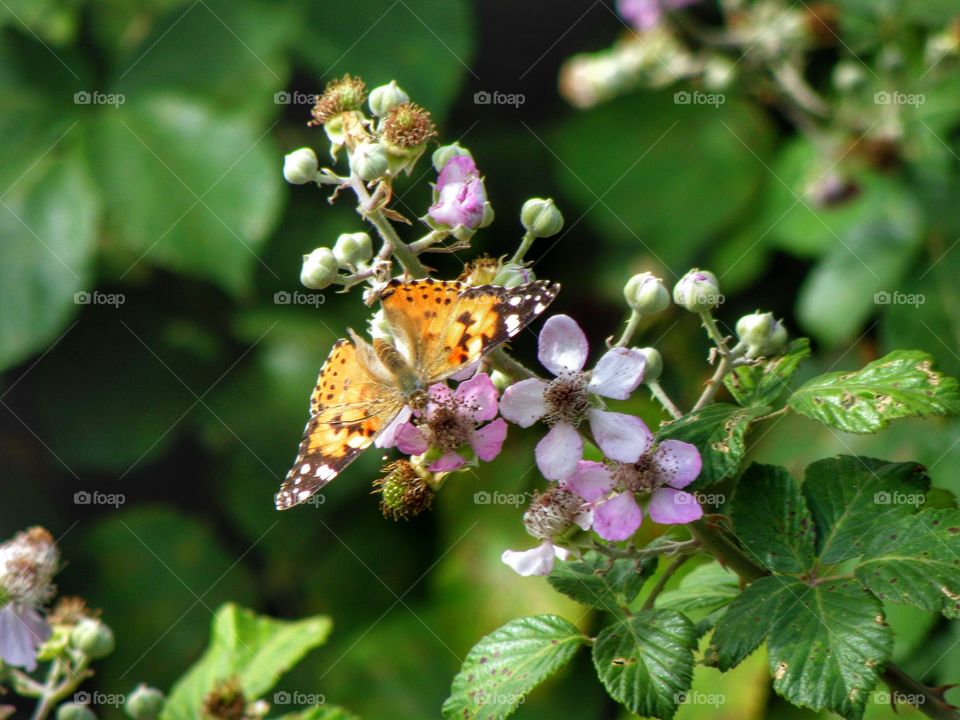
x=679, y=462
x=488, y=440
x=480, y=396
x=388, y=438
x=22, y=630
x=447, y=462
x=457, y=169
x=440, y=393
x=617, y=518
x=623, y=438
x=538, y=561
x=522, y=403
x=563, y=346
x=558, y=452
x=466, y=372
x=673, y=507
x=591, y=480
x=618, y=373
x=410, y=440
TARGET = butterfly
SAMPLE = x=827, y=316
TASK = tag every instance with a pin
x=438, y=327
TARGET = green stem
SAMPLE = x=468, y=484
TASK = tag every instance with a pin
x=510, y=367
x=628, y=332
x=525, y=244
x=56, y=691
x=727, y=356
x=661, y=395
x=664, y=579
x=407, y=258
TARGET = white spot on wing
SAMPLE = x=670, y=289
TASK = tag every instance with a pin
x=539, y=308
x=512, y=323
x=514, y=301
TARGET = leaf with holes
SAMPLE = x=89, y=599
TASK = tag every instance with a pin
x=601, y=582
x=646, y=662
x=902, y=384
x=852, y=499
x=765, y=383
x=508, y=663
x=718, y=431
x=916, y=561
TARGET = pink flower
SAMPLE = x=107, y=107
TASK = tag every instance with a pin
x=646, y=14
x=568, y=399
x=455, y=421
x=661, y=474
x=460, y=195
x=22, y=631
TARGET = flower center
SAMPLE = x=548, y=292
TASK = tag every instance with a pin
x=551, y=513
x=640, y=477
x=450, y=426
x=567, y=399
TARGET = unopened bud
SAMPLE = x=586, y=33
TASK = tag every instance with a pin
x=654, y=365
x=541, y=218
x=75, y=711
x=646, y=294
x=144, y=703
x=352, y=249
x=763, y=334
x=370, y=160
x=319, y=269
x=93, y=638
x=513, y=275
x=300, y=166
x=385, y=97
x=697, y=291
x=442, y=154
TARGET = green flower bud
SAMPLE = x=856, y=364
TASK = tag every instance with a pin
x=698, y=291
x=513, y=275
x=654, y=367
x=718, y=73
x=646, y=294
x=385, y=97
x=541, y=218
x=144, y=703
x=488, y=215
x=300, y=166
x=75, y=711
x=501, y=381
x=319, y=269
x=370, y=160
x=352, y=249
x=763, y=334
x=444, y=153
x=93, y=638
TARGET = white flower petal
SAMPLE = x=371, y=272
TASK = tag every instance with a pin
x=618, y=373
x=522, y=403
x=562, y=347
x=558, y=451
x=538, y=561
x=623, y=438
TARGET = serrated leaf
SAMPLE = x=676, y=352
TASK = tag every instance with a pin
x=747, y=619
x=771, y=519
x=708, y=587
x=254, y=649
x=508, y=663
x=902, y=384
x=827, y=646
x=718, y=431
x=916, y=562
x=601, y=582
x=646, y=662
x=766, y=382
x=853, y=498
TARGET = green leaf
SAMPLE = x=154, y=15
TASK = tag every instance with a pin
x=902, y=384
x=646, y=662
x=601, y=582
x=718, y=431
x=508, y=663
x=326, y=712
x=853, y=499
x=706, y=588
x=255, y=649
x=747, y=620
x=771, y=519
x=916, y=561
x=766, y=382
x=827, y=646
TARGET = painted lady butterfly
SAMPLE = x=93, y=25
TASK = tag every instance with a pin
x=438, y=327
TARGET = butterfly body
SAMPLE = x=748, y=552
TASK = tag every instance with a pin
x=438, y=328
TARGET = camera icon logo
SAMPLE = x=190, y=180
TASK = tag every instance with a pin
x=82, y=497
x=481, y=497
x=81, y=297
x=681, y=97
x=281, y=297
x=82, y=697
x=882, y=97
x=82, y=97
x=281, y=97
x=482, y=97
x=881, y=297
x=881, y=498
x=281, y=697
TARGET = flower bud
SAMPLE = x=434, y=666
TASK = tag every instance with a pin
x=501, y=381
x=541, y=218
x=654, y=366
x=442, y=154
x=300, y=166
x=352, y=249
x=383, y=98
x=646, y=294
x=144, y=703
x=370, y=160
x=513, y=275
x=75, y=711
x=763, y=334
x=93, y=638
x=697, y=291
x=319, y=269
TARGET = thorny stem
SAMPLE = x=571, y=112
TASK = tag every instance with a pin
x=54, y=690
x=727, y=356
x=664, y=579
x=632, y=324
x=407, y=258
x=660, y=394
